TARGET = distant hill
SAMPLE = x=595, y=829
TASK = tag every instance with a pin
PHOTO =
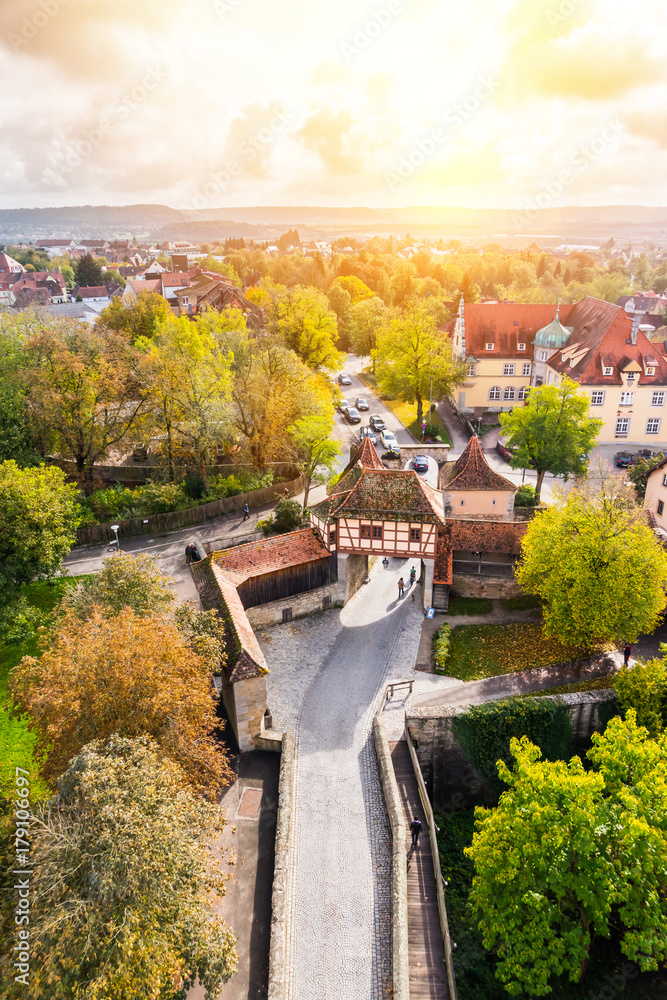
x=550, y=226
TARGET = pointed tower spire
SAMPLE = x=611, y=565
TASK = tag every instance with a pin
x=557, y=308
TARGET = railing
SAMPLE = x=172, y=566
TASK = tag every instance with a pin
x=391, y=687
x=442, y=909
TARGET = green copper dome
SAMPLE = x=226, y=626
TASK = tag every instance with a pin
x=555, y=335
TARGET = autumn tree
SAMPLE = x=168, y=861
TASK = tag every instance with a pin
x=39, y=516
x=141, y=319
x=191, y=387
x=569, y=854
x=125, y=581
x=596, y=566
x=552, y=432
x=87, y=390
x=123, y=883
x=354, y=286
x=128, y=675
x=303, y=321
x=313, y=450
x=410, y=352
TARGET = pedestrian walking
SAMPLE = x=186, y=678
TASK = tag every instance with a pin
x=385, y=562
x=188, y=555
x=627, y=652
x=413, y=575
x=401, y=587
x=246, y=512
x=415, y=830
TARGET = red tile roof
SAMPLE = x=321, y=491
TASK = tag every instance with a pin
x=390, y=495
x=493, y=323
x=241, y=562
x=180, y=279
x=471, y=535
x=472, y=472
x=444, y=558
x=365, y=457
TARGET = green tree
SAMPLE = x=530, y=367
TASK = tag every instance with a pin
x=568, y=854
x=141, y=319
x=124, y=883
x=340, y=301
x=410, y=352
x=88, y=272
x=638, y=474
x=366, y=319
x=552, y=432
x=39, y=516
x=17, y=438
x=468, y=289
x=354, y=286
x=643, y=688
x=302, y=319
x=313, y=450
x=596, y=565
x=125, y=581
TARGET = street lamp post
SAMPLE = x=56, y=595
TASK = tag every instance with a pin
x=114, y=528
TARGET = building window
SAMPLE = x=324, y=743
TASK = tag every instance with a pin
x=653, y=425
x=521, y=347
x=415, y=534
x=494, y=392
x=509, y=392
x=471, y=369
x=461, y=502
x=523, y=392
x=658, y=399
x=543, y=355
x=365, y=531
x=287, y=614
x=332, y=537
x=650, y=371
x=526, y=368
x=489, y=347
x=622, y=426
x=661, y=507
x=186, y=300
x=377, y=531
x=493, y=503
x=631, y=377
x=597, y=398
x=664, y=480
x=626, y=398
x=508, y=369
x=607, y=370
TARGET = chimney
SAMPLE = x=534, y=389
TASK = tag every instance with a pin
x=635, y=329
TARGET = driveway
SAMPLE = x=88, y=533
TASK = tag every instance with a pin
x=340, y=900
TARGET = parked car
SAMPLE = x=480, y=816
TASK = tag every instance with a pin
x=344, y=379
x=377, y=423
x=362, y=403
x=420, y=463
x=624, y=459
x=343, y=406
x=646, y=453
x=367, y=432
x=352, y=415
x=389, y=440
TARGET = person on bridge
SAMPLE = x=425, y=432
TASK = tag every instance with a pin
x=415, y=830
x=401, y=587
x=246, y=512
x=413, y=575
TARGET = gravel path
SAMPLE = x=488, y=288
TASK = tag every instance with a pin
x=340, y=900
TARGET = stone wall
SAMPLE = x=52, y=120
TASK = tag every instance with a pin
x=439, y=452
x=249, y=707
x=352, y=572
x=301, y=604
x=451, y=779
x=484, y=586
x=278, y=962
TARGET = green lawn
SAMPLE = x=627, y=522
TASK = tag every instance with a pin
x=479, y=651
x=524, y=602
x=469, y=606
x=17, y=742
x=407, y=414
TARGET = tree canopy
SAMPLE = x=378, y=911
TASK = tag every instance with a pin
x=596, y=565
x=125, y=581
x=301, y=317
x=569, y=854
x=552, y=432
x=313, y=450
x=123, y=883
x=141, y=319
x=88, y=272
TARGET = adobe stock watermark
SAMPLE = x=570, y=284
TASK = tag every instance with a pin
x=218, y=181
x=553, y=188
x=565, y=9
x=22, y=873
x=32, y=24
x=73, y=152
x=367, y=32
x=427, y=147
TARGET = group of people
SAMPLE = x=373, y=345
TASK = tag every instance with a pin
x=401, y=582
x=191, y=554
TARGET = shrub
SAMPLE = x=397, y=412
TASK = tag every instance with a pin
x=267, y=525
x=525, y=496
x=390, y=456
x=644, y=688
x=159, y=498
x=287, y=516
x=433, y=431
x=441, y=643
x=485, y=731
x=111, y=503
x=19, y=621
x=194, y=485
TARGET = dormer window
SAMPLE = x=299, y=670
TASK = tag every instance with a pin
x=471, y=370
x=521, y=347
x=489, y=347
x=650, y=371
x=608, y=370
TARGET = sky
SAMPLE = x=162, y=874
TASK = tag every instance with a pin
x=202, y=104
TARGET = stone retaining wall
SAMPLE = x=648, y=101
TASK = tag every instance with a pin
x=474, y=585
x=399, y=866
x=279, y=923
x=301, y=604
x=452, y=780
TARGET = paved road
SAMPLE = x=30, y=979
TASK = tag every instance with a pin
x=340, y=904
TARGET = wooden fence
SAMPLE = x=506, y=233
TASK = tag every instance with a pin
x=288, y=581
x=158, y=523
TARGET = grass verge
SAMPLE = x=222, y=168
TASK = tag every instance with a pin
x=469, y=606
x=479, y=651
x=524, y=602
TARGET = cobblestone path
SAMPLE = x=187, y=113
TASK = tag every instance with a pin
x=340, y=900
